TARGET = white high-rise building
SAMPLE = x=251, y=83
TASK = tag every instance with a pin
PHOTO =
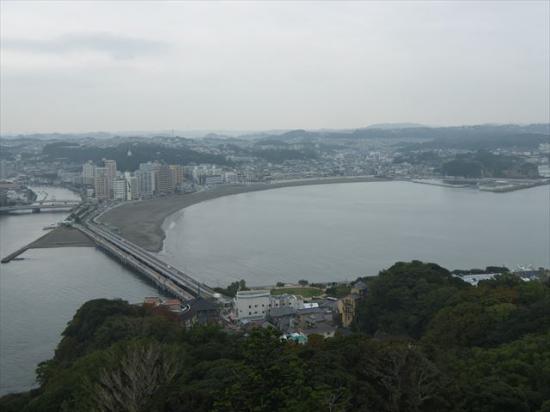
x=132, y=189
x=147, y=178
x=165, y=180
x=88, y=173
x=110, y=175
x=119, y=189
x=110, y=167
x=102, y=188
x=177, y=176
x=145, y=183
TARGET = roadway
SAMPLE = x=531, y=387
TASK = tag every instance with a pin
x=151, y=265
x=161, y=280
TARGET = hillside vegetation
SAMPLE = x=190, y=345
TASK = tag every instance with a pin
x=424, y=341
x=129, y=156
x=485, y=164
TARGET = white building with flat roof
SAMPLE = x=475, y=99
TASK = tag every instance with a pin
x=475, y=279
x=256, y=304
x=252, y=304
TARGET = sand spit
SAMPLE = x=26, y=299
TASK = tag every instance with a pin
x=141, y=222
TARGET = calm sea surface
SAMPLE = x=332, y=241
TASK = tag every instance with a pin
x=341, y=231
x=326, y=232
x=40, y=294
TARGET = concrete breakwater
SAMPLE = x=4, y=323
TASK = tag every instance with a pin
x=61, y=237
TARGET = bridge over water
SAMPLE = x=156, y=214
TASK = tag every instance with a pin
x=160, y=272
x=45, y=205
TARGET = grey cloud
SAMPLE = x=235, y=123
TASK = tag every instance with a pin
x=116, y=46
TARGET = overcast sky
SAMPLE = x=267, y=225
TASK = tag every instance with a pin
x=77, y=66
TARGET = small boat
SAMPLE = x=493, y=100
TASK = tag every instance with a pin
x=50, y=227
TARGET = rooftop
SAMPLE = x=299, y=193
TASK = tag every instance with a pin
x=243, y=294
x=282, y=311
x=194, y=306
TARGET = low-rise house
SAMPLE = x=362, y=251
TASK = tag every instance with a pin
x=529, y=274
x=474, y=279
x=151, y=301
x=200, y=311
x=296, y=302
x=173, y=305
x=306, y=318
x=306, y=321
x=327, y=303
x=282, y=318
x=347, y=305
x=310, y=305
x=359, y=288
x=346, y=309
x=249, y=325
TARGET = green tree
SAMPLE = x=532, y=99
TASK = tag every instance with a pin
x=338, y=291
x=135, y=372
x=403, y=299
x=233, y=288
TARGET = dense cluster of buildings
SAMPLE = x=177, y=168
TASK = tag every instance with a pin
x=295, y=317
x=105, y=182
x=13, y=192
x=233, y=161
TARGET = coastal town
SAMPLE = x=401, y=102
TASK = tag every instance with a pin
x=128, y=168
x=153, y=180
x=263, y=206
x=298, y=311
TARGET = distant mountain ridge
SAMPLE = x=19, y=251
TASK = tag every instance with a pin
x=393, y=126
x=418, y=137
x=476, y=137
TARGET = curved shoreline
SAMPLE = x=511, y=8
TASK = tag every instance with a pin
x=142, y=222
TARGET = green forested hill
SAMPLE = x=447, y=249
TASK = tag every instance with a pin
x=485, y=164
x=424, y=341
x=140, y=153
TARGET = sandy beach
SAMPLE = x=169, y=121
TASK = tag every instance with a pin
x=141, y=222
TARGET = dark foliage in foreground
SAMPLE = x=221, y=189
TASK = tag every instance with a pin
x=425, y=342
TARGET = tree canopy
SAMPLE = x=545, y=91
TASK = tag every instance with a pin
x=424, y=341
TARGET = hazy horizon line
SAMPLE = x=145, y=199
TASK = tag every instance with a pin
x=397, y=125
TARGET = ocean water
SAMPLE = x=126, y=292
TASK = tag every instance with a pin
x=40, y=294
x=341, y=231
x=320, y=233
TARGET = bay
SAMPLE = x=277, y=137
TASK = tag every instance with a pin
x=341, y=231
